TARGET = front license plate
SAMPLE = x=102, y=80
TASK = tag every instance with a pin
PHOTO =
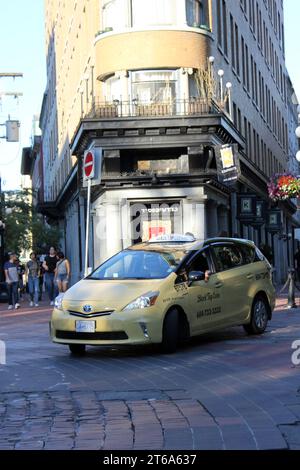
x=84, y=326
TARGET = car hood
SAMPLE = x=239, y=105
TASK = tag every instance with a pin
x=107, y=295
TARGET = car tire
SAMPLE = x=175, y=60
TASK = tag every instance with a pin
x=77, y=349
x=259, y=317
x=170, y=332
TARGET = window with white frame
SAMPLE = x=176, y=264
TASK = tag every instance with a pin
x=145, y=86
x=113, y=88
x=154, y=12
x=121, y=14
x=154, y=86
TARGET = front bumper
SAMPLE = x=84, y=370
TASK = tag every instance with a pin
x=132, y=327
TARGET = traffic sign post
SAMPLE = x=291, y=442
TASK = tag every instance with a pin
x=89, y=165
x=89, y=173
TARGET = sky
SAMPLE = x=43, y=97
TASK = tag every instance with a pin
x=22, y=50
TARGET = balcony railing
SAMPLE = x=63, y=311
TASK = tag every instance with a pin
x=136, y=108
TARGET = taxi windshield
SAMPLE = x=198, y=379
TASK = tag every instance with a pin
x=139, y=264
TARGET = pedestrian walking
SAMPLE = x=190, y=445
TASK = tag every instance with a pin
x=41, y=276
x=21, y=272
x=49, y=266
x=32, y=274
x=12, y=281
x=62, y=272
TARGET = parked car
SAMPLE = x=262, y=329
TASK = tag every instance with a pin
x=166, y=290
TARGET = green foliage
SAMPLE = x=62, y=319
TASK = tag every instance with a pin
x=25, y=228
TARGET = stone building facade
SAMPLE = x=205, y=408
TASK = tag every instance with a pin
x=146, y=86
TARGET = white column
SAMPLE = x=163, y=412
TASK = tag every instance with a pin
x=200, y=231
x=100, y=235
x=194, y=218
x=124, y=92
x=125, y=223
x=113, y=227
x=184, y=84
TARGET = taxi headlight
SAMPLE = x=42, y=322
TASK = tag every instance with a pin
x=58, y=302
x=144, y=301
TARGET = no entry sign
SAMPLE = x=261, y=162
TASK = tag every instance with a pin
x=89, y=165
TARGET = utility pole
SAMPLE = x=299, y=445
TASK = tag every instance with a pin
x=12, y=135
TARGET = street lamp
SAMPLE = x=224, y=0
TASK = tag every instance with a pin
x=221, y=74
x=228, y=89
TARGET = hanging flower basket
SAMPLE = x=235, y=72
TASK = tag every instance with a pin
x=284, y=186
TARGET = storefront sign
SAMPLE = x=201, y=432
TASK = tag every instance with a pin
x=274, y=220
x=228, y=164
x=247, y=211
x=260, y=218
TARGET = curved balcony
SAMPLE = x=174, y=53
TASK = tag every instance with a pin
x=144, y=109
x=151, y=49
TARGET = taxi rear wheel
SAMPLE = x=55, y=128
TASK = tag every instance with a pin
x=77, y=349
x=170, y=332
x=259, y=317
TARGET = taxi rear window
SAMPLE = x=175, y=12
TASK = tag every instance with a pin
x=229, y=256
x=248, y=253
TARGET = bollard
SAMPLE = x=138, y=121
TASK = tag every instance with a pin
x=291, y=284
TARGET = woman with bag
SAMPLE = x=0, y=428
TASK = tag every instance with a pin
x=62, y=272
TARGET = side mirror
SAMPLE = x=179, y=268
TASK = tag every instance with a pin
x=195, y=276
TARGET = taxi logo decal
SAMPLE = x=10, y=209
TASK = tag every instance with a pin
x=87, y=308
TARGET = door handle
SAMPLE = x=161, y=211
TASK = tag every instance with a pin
x=218, y=284
x=250, y=276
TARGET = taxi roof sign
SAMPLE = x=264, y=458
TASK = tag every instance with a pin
x=172, y=237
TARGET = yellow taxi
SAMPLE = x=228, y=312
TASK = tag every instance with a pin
x=166, y=290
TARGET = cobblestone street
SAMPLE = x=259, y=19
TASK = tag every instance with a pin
x=225, y=390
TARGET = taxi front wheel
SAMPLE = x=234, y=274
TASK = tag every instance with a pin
x=77, y=349
x=259, y=317
x=170, y=332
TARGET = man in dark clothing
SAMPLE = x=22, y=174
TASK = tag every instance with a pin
x=12, y=281
x=49, y=266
